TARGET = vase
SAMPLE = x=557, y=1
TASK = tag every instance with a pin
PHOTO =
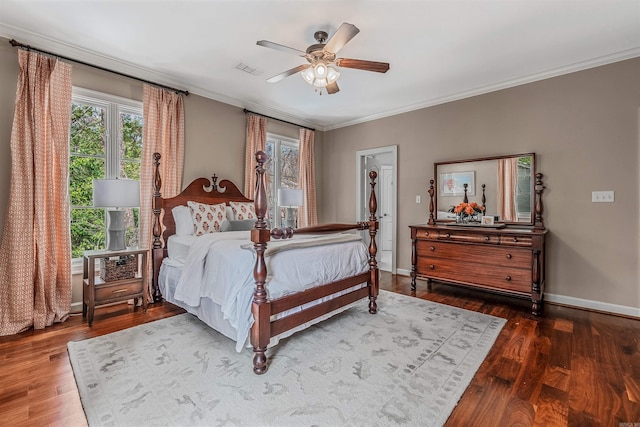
x=462, y=218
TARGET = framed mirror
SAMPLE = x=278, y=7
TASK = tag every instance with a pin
x=504, y=185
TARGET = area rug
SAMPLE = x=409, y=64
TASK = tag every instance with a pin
x=407, y=365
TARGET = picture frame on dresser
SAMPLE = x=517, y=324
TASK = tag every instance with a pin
x=504, y=256
x=487, y=220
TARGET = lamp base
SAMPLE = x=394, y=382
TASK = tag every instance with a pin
x=115, y=235
x=290, y=218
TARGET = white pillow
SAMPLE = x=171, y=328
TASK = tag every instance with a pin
x=184, y=222
x=229, y=213
x=206, y=218
x=243, y=210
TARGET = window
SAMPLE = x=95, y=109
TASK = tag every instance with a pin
x=105, y=142
x=523, y=189
x=282, y=171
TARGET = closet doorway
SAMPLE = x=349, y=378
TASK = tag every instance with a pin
x=384, y=161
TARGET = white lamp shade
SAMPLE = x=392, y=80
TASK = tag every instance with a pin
x=116, y=193
x=289, y=197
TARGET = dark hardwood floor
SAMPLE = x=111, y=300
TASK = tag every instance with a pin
x=567, y=368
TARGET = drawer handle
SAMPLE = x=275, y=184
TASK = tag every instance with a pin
x=433, y=248
x=431, y=266
x=508, y=278
x=447, y=235
x=119, y=291
x=515, y=239
x=487, y=238
x=508, y=256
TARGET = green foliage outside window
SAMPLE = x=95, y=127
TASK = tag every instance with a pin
x=89, y=148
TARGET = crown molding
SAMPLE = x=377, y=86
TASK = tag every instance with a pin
x=506, y=84
x=84, y=55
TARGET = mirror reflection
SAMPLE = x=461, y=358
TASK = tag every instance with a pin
x=504, y=185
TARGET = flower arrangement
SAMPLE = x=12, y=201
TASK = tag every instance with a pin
x=467, y=210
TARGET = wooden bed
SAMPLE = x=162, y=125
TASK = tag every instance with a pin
x=264, y=328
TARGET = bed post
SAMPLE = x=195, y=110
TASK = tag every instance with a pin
x=157, y=249
x=373, y=248
x=260, y=235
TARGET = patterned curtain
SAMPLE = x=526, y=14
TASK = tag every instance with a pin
x=256, y=141
x=35, y=255
x=307, y=213
x=163, y=133
x=507, y=182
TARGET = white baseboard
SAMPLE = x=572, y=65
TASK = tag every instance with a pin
x=403, y=272
x=592, y=305
x=76, y=307
x=575, y=302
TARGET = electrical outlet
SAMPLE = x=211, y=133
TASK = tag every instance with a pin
x=602, y=196
x=418, y=199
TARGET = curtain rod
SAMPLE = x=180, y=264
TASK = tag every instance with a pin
x=275, y=118
x=27, y=47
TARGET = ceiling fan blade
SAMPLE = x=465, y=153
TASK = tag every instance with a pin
x=341, y=37
x=276, y=46
x=359, y=64
x=288, y=73
x=332, y=88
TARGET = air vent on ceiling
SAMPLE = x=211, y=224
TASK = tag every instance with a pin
x=249, y=69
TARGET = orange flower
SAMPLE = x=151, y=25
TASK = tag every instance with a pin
x=467, y=209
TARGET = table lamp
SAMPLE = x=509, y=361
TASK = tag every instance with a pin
x=115, y=194
x=291, y=199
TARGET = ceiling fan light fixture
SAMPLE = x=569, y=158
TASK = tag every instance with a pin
x=320, y=82
x=320, y=75
x=308, y=75
x=320, y=70
x=332, y=74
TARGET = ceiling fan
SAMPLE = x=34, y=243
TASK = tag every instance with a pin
x=322, y=71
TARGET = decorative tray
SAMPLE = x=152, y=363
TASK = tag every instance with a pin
x=475, y=224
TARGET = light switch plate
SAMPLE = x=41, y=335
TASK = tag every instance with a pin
x=602, y=196
x=418, y=199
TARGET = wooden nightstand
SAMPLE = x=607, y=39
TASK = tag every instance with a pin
x=96, y=291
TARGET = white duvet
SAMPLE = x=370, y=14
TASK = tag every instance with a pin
x=219, y=266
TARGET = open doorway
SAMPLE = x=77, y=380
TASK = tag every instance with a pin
x=384, y=161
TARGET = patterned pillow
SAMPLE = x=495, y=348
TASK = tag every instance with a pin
x=206, y=218
x=243, y=210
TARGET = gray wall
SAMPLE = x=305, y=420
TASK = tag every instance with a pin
x=583, y=128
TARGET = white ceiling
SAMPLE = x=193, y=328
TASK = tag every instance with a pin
x=438, y=51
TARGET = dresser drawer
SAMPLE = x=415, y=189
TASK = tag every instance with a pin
x=490, y=255
x=495, y=277
x=462, y=236
x=115, y=291
x=427, y=234
x=522, y=241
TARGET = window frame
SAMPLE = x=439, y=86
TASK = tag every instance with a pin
x=113, y=106
x=278, y=141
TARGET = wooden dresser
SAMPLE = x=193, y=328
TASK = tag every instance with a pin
x=510, y=261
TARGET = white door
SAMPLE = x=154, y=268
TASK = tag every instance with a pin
x=386, y=192
x=386, y=211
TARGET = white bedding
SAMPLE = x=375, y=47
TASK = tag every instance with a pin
x=218, y=272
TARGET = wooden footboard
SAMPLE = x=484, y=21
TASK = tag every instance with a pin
x=264, y=328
